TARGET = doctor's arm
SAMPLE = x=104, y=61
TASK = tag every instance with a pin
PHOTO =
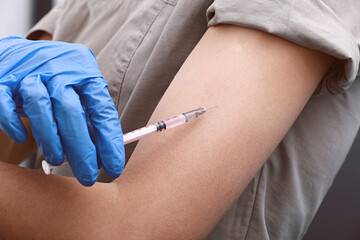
x=178, y=184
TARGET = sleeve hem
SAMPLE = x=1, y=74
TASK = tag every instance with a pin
x=323, y=32
x=46, y=24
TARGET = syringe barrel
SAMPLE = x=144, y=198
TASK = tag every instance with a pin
x=139, y=133
x=175, y=121
x=143, y=132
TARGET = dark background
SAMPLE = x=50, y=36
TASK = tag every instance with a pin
x=338, y=218
x=40, y=8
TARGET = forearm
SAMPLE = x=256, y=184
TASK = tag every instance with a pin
x=36, y=206
x=179, y=184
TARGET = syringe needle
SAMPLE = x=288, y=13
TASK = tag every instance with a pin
x=207, y=109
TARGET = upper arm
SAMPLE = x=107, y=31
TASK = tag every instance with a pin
x=186, y=178
x=178, y=184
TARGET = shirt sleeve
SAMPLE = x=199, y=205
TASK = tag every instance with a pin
x=329, y=26
x=47, y=23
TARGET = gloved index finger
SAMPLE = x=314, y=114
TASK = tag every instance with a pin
x=107, y=132
x=37, y=106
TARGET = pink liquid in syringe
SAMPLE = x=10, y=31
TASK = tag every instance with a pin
x=175, y=121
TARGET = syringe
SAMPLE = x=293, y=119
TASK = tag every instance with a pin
x=146, y=131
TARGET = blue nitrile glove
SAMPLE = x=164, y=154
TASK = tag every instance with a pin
x=52, y=81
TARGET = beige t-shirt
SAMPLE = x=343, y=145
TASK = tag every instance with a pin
x=141, y=44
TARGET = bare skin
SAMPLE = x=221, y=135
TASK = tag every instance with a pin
x=177, y=185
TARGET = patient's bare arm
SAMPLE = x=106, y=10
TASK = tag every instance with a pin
x=178, y=184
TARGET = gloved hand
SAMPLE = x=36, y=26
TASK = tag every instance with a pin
x=60, y=81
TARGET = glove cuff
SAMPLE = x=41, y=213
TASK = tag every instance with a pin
x=7, y=42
